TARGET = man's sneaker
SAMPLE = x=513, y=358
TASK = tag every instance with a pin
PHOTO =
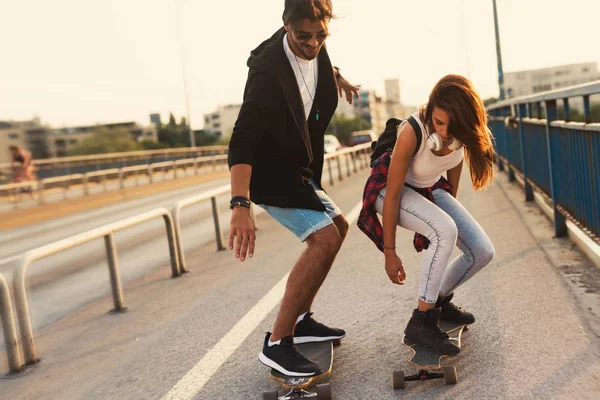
x=285, y=358
x=424, y=329
x=453, y=313
x=308, y=330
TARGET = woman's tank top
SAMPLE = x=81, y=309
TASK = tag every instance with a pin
x=426, y=168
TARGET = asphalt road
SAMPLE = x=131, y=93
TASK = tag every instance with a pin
x=197, y=337
x=64, y=282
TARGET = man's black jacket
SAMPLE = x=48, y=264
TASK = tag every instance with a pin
x=272, y=133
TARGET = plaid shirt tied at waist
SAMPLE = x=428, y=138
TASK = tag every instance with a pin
x=367, y=219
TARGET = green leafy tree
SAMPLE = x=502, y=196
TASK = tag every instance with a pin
x=205, y=139
x=174, y=134
x=489, y=101
x=105, y=140
x=152, y=145
x=342, y=127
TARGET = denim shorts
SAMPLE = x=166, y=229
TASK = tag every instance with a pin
x=302, y=222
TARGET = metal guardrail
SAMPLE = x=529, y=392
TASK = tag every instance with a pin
x=106, y=231
x=560, y=158
x=50, y=167
x=176, y=210
x=178, y=265
x=15, y=364
x=14, y=191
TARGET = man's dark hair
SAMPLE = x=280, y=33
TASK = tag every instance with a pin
x=13, y=148
x=314, y=10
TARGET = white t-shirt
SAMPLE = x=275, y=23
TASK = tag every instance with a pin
x=426, y=168
x=306, y=68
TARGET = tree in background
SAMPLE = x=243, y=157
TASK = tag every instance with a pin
x=105, y=140
x=174, y=134
x=489, y=101
x=204, y=138
x=342, y=127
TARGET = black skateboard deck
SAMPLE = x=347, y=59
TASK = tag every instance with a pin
x=293, y=386
x=428, y=360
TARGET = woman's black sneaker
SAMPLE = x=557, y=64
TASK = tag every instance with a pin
x=424, y=329
x=308, y=330
x=285, y=358
x=453, y=313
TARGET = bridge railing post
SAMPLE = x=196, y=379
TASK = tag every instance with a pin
x=528, y=188
x=556, y=176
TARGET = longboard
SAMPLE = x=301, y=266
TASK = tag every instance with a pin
x=293, y=386
x=428, y=360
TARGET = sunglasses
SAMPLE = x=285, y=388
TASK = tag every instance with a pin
x=305, y=37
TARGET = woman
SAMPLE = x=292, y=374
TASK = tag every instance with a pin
x=21, y=164
x=407, y=188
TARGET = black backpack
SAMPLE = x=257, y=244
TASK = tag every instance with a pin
x=387, y=139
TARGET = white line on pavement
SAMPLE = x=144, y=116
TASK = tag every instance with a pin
x=197, y=377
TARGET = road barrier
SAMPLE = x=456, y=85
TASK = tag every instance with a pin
x=15, y=364
x=38, y=189
x=52, y=167
x=558, y=157
x=105, y=231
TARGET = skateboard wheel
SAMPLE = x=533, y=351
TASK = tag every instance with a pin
x=450, y=375
x=336, y=342
x=324, y=392
x=398, y=380
x=272, y=395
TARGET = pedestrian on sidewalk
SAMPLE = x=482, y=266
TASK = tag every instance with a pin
x=21, y=164
x=276, y=161
x=407, y=188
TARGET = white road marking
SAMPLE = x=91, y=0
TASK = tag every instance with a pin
x=196, y=378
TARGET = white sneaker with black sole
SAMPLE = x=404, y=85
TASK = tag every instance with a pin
x=285, y=358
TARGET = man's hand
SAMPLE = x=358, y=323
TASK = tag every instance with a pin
x=347, y=88
x=242, y=228
x=394, y=268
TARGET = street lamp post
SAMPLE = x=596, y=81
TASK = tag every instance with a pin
x=499, y=55
x=179, y=23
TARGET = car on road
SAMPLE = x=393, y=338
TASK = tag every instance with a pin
x=360, y=137
x=332, y=144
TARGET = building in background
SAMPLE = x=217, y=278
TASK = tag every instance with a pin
x=30, y=135
x=521, y=83
x=221, y=121
x=345, y=109
x=393, y=103
x=59, y=140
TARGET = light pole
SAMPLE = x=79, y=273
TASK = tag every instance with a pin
x=498, y=54
x=179, y=22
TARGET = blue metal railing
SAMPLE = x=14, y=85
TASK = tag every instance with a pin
x=558, y=157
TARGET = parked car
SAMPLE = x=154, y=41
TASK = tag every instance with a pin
x=332, y=144
x=360, y=137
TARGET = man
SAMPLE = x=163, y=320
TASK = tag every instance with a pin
x=276, y=159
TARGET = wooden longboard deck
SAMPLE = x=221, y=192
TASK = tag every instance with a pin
x=426, y=358
x=320, y=353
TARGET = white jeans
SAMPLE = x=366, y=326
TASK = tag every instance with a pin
x=446, y=224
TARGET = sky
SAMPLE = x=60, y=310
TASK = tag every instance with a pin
x=82, y=62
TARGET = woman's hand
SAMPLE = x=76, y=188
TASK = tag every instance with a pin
x=394, y=268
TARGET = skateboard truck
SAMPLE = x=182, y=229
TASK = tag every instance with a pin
x=449, y=374
x=323, y=393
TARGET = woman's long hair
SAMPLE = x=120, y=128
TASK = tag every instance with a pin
x=456, y=95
